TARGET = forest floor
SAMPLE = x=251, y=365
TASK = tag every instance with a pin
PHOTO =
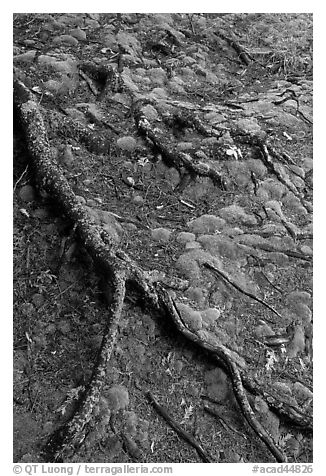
x=204, y=101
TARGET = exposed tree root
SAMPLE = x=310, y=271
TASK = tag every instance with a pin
x=172, y=157
x=232, y=369
x=66, y=441
x=244, y=56
x=119, y=270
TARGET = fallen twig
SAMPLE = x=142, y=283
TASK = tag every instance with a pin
x=236, y=286
x=20, y=178
x=178, y=429
x=224, y=423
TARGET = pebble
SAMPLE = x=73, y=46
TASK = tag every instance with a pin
x=158, y=76
x=301, y=392
x=187, y=267
x=298, y=343
x=184, y=236
x=299, y=296
x=81, y=199
x=64, y=327
x=248, y=125
x=235, y=214
x=68, y=156
x=210, y=316
x=268, y=419
x=138, y=200
x=127, y=143
x=161, y=234
x=41, y=213
x=38, y=300
x=52, y=85
x=92, y=24
x=206, y=224
x=196, y=294
x=192, y=245
x=302, y=311
x=283, y=388
x=220, y=245
x=27, y=309
x=172, y=176
x=27, y=193
x=192, y=319
x=217, y=385
x=185, y=145
x=117, y=397
x=150, y=112
x=264, y=330
x=64, y=40
x=158, y=93
x=78, y=34
x=27, y=57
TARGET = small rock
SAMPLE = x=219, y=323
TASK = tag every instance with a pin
x=91, y=203
x=38, y=300
x=64, y=40
x=41, y=213
x=192, y=318
x=307, y=164
x=131, y=420
x=192, y=245
x=178, y=366
x=306, y=250
x=158, y=76
x=81, y=199
x=138, y=200
x=27, y=57
x=52, y=85
x=298, y=343
x=188, y=267
x=117, y=397
x=185, y=145
x=206, y=224
x=198, y=295
x=150, y=112
x=184, y=237
x=158, y=93
x=248, y=125
x=235, y=214
x=78, y=34
x=27, y=309
x=267, y=418
x=64, y=327
x=92, y=24
x=264, y=330
x=283, y=388
x=27, y=193
x=127, y=143
x=161, y=234
x=214, y=117
x=293, y=447
x=172, y=176
x=47, y=428
x=217, y=385
x=210, y=316
x=299, y=296
x=68, y=156
x=301, y=392
x=302, y=311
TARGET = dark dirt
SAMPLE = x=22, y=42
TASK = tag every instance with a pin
x=258, y=230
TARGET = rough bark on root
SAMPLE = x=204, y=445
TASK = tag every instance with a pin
x=119, y=270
